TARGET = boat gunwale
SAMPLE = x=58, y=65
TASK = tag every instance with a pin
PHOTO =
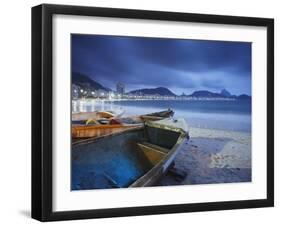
x=101, y=126
x=148, y=123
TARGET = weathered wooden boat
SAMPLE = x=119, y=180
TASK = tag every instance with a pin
x=88, y=131
x=94, y=127
x=163, y=114
x=84, y=116
x=134, y=158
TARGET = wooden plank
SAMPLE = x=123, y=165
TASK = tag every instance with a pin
x=155, y=147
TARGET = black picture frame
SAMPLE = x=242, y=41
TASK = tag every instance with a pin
x=42, y=108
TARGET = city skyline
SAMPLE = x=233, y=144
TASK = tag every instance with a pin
x=86, y=90
x=120, y=88
x=179, y=65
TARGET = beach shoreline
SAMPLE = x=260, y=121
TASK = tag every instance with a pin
x=213, y=156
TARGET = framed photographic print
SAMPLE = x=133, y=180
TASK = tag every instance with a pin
x=146, y=112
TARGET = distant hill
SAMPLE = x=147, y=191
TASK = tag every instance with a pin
x=205, y=94
x=85, y=82
x=223, y=94
x=162, y=91
x=243, y=97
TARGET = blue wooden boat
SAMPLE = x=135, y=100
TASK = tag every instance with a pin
x=134, y=158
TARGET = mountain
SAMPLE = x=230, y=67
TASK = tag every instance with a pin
x=243, y=97
x=205, y=94
x=85, y=82
x=162, y=91
x=225, y=93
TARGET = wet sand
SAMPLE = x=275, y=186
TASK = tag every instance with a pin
x=213, y=156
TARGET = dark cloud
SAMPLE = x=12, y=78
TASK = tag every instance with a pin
x=155, y=62
x=195, y=55
x=213, y=84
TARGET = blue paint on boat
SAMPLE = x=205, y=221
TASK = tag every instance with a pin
x=109, y=163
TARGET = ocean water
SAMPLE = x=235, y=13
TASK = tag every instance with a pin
x=226, y=115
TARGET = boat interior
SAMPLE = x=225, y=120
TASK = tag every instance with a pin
x=119, y=160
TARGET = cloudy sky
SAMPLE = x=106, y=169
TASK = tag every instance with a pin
x=180, y=65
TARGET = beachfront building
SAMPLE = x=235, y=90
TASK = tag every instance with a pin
x=87, y=91
x=75, y=90
x=120, y=88
x=102, y=94
x=92, y=93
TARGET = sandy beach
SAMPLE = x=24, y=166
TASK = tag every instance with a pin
x=213, y=156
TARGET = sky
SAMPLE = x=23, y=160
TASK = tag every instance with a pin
x=181, y=65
